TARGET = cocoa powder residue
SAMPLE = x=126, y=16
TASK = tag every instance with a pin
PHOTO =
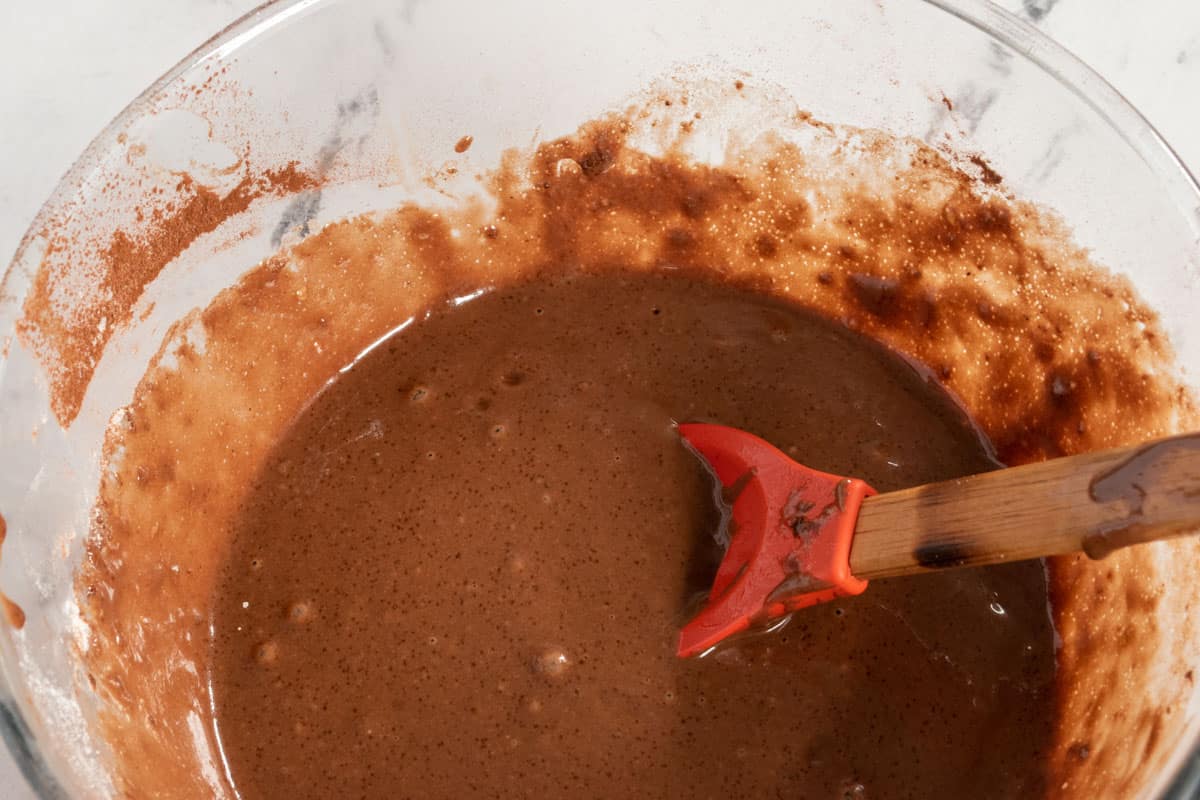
x=990, y=176
x=70, y=344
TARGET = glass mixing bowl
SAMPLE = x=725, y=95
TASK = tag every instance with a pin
x=367, y=93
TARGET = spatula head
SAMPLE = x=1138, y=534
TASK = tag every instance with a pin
x=791, y=529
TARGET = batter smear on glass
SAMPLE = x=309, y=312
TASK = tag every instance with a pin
x=462, y=570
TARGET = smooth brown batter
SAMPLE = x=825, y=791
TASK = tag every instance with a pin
x=463, y=569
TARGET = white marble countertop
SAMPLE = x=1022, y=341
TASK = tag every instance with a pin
x=71, y=66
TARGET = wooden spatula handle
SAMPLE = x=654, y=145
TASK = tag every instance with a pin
x=1095, y=502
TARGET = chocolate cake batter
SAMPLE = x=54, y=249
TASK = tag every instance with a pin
x=458, y=568
x=462, y=571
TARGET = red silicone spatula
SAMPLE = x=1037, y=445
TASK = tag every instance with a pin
x=802, y=537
